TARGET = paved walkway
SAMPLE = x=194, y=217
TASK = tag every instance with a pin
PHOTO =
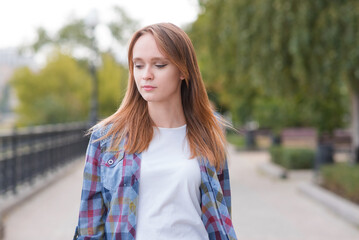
x=263, y=208
x=273, y=209
x=51, y=214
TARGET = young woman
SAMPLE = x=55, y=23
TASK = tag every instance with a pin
x=156, y=169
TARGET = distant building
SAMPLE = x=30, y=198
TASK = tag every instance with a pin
x=10, y=60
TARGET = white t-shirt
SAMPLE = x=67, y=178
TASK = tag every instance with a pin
x=169, y=195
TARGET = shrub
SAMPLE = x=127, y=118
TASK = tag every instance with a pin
x=298, y=158
x=291, y=158
x=276, y=154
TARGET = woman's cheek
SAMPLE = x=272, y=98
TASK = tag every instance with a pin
x=137, y=79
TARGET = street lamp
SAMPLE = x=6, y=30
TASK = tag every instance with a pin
x=91, y=22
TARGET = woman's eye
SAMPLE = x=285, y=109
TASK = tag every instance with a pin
x=138, y=66
x=161, y=65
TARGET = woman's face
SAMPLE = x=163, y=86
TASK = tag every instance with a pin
x=157, y=79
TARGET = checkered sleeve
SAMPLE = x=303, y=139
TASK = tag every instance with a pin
x=223, y=178
x=92, y=208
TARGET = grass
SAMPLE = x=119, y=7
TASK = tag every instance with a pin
x=236, y=139
x=342, y=179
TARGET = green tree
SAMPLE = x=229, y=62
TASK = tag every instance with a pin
x=112, y=78
x=4, y=99
x=310, y=49
x=225, y=65
x=58, y=93
x=78, y=38
x=303, y=53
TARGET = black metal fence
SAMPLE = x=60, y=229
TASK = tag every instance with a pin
x=26, y=153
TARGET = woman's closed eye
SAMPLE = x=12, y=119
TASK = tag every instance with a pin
x=160, y=65
x=139, y=66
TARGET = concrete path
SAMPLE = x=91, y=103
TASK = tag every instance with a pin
x=51, y=214
x=272, y=209
x=263, y=208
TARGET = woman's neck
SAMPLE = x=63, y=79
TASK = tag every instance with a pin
x=166, y=115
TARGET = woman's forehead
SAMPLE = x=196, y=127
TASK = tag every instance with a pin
x=146, y=47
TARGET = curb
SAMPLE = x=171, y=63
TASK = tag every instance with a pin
x=340, y=206
x=273, y=170
x=26, y=191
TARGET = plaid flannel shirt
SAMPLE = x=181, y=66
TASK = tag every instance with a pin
x=110, y=190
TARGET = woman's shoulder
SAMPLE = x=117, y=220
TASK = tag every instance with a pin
x=102, y=134
x=99, y=132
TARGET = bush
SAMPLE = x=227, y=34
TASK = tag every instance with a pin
x=298, y=158
x=342, y=179
x=276, y=154
x=291, y=158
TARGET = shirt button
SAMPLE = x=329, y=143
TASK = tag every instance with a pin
x=110, y=162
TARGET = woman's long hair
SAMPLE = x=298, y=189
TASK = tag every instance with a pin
x=132, y=120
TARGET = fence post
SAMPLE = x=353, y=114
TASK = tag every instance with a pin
x=13, y=163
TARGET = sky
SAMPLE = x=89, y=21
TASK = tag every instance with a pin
x=20, y=18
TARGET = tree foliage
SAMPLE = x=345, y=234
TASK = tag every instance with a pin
x=282, y=62
x=59, y=92
x=112, y=78
x=79, y=51
x=4, y=99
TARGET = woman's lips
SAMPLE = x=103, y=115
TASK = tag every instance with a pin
x=148, y=88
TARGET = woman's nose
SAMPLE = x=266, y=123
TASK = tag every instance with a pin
x=147, y=74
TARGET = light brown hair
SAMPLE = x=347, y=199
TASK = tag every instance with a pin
x=132, y=120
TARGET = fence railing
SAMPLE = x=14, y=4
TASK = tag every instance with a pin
x=26, y=153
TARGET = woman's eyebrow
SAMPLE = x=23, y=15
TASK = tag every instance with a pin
x=159, y=58
x=136, y=59
x=152, y=59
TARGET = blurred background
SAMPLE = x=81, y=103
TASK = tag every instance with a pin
x=283, y=72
